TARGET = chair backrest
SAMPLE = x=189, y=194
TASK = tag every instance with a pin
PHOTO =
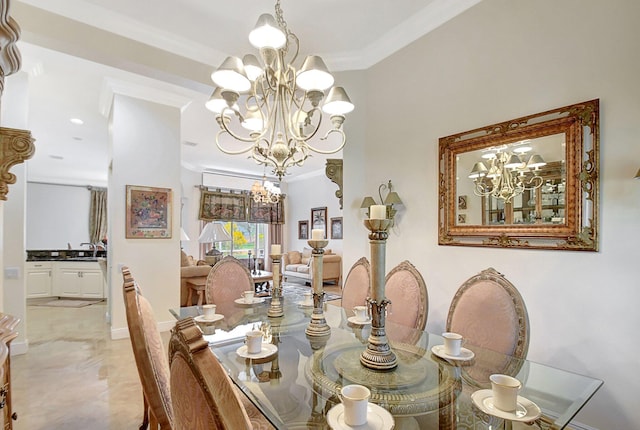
x=490, y=312
x=203, y=395
x=357, y=285
x=148, y=351
x=406, y=289
x=227, y=280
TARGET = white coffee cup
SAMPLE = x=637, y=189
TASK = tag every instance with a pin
x=360, y=313
x=307, y=298
x=248, y=296
x=505, y=391
x=209, y=311
x=452, y=343
x=253, y=339
x=355, y=399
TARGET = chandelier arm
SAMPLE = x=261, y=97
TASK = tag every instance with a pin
x=236, y=136
x=331, y=151
x=229, y=152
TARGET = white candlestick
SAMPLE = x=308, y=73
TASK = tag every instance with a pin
x=317, y=234
x=377, y=212
x=276, y=250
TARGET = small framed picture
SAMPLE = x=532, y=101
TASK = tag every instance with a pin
x=148, y=213
x=303, y=230
x=319, y=220
x=462, y=218
x=462, y=202
x=336, y=228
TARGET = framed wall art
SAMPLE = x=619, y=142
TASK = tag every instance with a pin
x=336, y=228
x=148, y=212
x=219, y=206
x=266, y=213
x=303, y=230
x=319, y=219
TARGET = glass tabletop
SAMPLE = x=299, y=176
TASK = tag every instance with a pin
x=297, y=385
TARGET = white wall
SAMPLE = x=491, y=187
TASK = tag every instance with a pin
x=57, y=215
x=145, y=149
x=500, y=60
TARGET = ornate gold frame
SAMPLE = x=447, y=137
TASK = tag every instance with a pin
x=580, y=124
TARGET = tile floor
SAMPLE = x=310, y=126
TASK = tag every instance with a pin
x=74, y=376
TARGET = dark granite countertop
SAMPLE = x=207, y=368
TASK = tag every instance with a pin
x=64, y=255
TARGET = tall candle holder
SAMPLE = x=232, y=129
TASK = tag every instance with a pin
x=378, y=355
x=318, y=326
x=275, y=309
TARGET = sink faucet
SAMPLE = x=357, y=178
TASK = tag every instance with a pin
x=93, y=247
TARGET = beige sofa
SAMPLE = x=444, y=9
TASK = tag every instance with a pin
x=299, y=265
x=191, y=270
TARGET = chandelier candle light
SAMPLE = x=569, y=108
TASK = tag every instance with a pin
x=282, y=109
x=275, y=309
x=265, y=192
x=378, y=355
x=318, y=326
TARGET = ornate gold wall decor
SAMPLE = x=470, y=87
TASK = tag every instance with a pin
x=334, y=173
x=9, y=34
x=562, y=213
x=16, y=146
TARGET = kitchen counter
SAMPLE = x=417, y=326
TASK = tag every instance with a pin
x=64, y=255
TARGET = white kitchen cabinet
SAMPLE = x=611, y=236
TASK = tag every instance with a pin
x=78, y=279
x=39, y=278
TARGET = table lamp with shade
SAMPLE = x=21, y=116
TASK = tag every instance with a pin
x=213, y=232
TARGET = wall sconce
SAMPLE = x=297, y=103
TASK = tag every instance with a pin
x=392, y=198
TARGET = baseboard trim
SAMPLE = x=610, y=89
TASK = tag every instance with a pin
x=123, y=333
x=579, y=426
x=19, y=348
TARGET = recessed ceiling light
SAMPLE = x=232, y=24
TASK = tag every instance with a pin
x=76, y=121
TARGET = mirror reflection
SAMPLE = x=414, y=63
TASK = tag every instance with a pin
x=522, y=182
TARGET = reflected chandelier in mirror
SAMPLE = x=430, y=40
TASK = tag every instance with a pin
x=530, y=182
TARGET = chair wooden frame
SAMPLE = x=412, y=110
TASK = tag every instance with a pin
x=345, y=287
x=158, y=412
x=228, y=408
x=492, y=275
x=423, y=305
x=210, y=293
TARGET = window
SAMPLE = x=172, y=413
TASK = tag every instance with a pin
x=247, y=237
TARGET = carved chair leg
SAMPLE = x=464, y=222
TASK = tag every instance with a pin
x=153, y=421
x=145, y=414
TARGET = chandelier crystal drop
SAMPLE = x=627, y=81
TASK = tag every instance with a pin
x=508, y=174
x=272, y=106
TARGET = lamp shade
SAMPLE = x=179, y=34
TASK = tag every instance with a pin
x=638, y=174
x=231, y=75
x=536, y=161
x=367, y=202
x=314, y=74
x=479, y=170
x=214, y=232
x=267, y=33
x=392, y=199
x=337, y=102
x=183, y=235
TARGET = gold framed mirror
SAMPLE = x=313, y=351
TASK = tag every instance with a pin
x=531, y=182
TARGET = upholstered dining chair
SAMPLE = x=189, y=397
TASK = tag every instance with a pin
x=204, y=397
x=150, y=357
x=407, y=291
x=357, y=285
x=225, y=283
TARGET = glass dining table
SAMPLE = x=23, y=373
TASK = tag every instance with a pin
x=296, y=385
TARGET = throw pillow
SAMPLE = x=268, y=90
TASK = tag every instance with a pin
x=306, y=252
x=306, y=260
x=294, y=257
x=184, y=259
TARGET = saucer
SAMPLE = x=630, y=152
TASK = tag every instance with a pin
x=305, y=304
x=256, y=300
x=465, y=354
x=267, y=350
x=202, y=319
x=377, y=418
x=355, y=321
x=526, y=410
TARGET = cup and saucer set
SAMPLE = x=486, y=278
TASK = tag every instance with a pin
x=356, y=412
x=452, y=349
x=209, y=315
x=307, y=302
x=254, y=347
x=360, y=316
x=249, y=299
x=503, y=401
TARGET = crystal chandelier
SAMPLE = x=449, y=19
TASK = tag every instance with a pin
x=265, y=192
x=281, y=106
x=508, y=174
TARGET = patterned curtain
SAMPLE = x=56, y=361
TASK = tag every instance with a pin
x=98, y=215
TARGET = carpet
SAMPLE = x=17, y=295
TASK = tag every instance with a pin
x=298, y=289
x=62, y=303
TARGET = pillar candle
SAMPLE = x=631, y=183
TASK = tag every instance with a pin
x=317, y=234
x=275, y=250
x=377, y=212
